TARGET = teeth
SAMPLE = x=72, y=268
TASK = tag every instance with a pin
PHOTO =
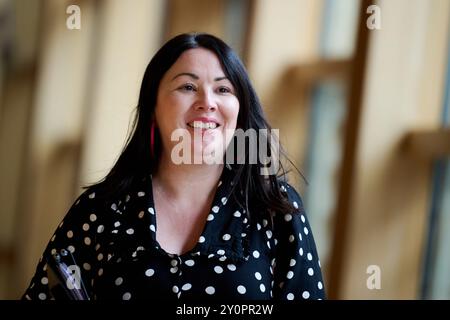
x=203, y=125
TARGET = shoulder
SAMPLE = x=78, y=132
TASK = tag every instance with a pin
x=292, y=196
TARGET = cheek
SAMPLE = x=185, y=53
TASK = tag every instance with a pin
x=231, y=114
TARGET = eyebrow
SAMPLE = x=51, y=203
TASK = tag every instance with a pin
x=194, y=76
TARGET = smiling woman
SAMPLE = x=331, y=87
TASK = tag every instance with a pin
x=157, y=229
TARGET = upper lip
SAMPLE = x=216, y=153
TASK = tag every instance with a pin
x=205, y=120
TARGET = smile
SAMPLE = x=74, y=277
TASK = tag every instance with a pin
x=202, y=125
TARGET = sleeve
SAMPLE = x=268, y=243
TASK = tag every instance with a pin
x=297, y=271
x=77, y=234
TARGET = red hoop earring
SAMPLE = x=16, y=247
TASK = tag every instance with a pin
x=152, y=139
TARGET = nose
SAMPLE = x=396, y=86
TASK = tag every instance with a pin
x=205, y=101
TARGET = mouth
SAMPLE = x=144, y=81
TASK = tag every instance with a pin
x=203, y=125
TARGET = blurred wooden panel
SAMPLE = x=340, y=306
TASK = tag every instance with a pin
x=197, y=15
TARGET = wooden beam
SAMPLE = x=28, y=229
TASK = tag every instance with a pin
x=430, y=144
x=346, y=181
x=310, y=73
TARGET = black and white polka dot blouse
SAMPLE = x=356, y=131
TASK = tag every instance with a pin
x=116, y=253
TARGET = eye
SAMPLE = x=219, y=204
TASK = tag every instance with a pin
x=188, y=87
x=224, y=90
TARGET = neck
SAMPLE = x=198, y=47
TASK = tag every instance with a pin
x=188, y=181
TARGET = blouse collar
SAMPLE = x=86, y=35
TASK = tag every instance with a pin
x=225, y=234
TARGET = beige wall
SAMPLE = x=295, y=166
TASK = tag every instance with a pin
x=403, y=91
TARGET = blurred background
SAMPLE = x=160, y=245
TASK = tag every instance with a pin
x=358, y=89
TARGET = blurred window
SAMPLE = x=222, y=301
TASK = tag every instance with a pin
x=436, y=276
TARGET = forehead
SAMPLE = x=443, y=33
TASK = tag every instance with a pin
x=198, y=60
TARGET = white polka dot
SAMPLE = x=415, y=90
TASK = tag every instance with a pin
x=87, y=241
x=256, y=254
x=42, y=296
x=118, y=281
x=152, y=228
x=300, y=251
x=210, y=217
x=86, y=266
x=241, y=289
x=221, y=252
x=300, y=236
x=116, y=224
x=290, y=274
x=175, y=289
x=149, y=272
x=291, y=238
x=290, y=296
x=100, y=228
x=215, y=209
x=173, y=262
x=305, y=294
x=130, y=231
x=309, y=256
x=186, y=286
x=100, y=257
x=97, y=246
x=268, y=244
x=319, y=285
x=210, y=290
x=174, y=270
x=141, y=214
x=319, y=263
x=100, y=272
x=92, y=195
x=44, y=280
x=303, y=218
x=92, y=217
x=127, y=198
x=226, y=237
x=258, y=226
x=262, y=287
x=237, y=214
x=305, y=230
x=224, y=200
x=69, y=234
x=114, y=207
x=218, y=269
x=295, y=204
x=53, y=238
x=265, y=222
x=310, y=271
x=258, y=276
x=288, y=217
x=189, y=263
x=53, y=252
x=292, y=262
x=201, y=239
x=71, y=249
x=86, y=227
x=141, y=193
x=231, y=267
x=151, y=210
x=269, y=234
x=223, y=258
x=126, y=296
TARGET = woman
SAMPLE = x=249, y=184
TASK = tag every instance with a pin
x=157, y=228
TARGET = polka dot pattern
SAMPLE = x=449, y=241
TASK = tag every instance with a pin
x=234, y=257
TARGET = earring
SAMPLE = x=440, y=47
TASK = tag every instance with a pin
x=152, y=139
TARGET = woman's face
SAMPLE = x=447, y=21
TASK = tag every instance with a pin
x=195, y=95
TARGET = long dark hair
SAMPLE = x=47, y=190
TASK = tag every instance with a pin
x=261, y=193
